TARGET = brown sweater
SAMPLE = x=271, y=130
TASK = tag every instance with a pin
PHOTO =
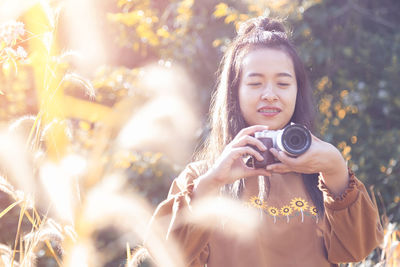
x=289, y=232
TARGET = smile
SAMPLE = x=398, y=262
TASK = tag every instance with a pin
x=269, y=110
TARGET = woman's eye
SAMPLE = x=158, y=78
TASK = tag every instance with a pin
x=254, y=84
x=283, y=84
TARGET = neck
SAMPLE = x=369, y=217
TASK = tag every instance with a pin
x=251, y=187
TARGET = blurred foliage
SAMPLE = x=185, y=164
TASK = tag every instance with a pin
x=352, y=49
x=150, y=174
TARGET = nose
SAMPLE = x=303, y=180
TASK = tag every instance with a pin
x=269, y=94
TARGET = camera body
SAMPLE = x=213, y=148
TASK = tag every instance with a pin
x=294, y=140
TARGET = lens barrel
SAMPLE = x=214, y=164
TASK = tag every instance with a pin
x=295, y=139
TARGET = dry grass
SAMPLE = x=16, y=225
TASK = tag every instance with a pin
x=65, y=206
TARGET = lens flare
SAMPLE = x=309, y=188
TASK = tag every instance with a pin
x=58, y=185
x=74, y=165
x=79, y=256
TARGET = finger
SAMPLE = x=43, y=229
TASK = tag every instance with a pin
x=249, y=140
x=282, y=157
x=251, y=171
x=313, y=137
x=251, y=130
x=278, y=167
x=246, y=150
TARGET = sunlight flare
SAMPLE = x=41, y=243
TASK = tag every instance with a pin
x=58, y=186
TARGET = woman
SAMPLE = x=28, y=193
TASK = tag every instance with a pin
x=315, y=211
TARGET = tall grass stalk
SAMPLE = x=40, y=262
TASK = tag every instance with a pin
x=97, y=197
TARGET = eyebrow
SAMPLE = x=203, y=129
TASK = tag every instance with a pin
x=281, y=74
x=254, y=74
x=284, y=74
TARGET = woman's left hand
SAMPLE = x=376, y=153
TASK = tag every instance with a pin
x=321, y=157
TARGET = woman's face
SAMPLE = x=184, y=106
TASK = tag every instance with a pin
x=268, y=88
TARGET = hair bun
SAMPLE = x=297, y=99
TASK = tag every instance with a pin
x=271, y=25
x=261, y=24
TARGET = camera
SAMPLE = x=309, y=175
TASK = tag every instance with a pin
x=294, y=140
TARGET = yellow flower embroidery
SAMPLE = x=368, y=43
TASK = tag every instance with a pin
x=296, y=204
x=313, y=210
x=258, y=203
x=299, y=204
x=273, y=211
x=286, y=210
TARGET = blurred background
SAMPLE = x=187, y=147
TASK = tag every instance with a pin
x=103, y=102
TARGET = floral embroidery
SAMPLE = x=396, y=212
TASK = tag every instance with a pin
x=313, y=210
x=273, y=211
x=286, y=211
x=296, y=206
x=299, y=205
x=257, y=203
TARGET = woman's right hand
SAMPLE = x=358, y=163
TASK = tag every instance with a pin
x=230, y=166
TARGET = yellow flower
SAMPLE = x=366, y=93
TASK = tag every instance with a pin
x=217, y=42
x=299, y=204
x=258, y=203
x=273, y=211
x=230, y=18
x=123, y=164
x=221, y=10
x=140, y=170
x=133, y=158
x=163, y=32
x=84, y=125
x=286, y=210
x=313, y=210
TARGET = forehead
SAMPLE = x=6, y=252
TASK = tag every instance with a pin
x=267, y=61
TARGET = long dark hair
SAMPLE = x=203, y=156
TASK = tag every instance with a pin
x=226, y=119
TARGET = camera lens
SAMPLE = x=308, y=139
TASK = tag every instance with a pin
x=296, y=139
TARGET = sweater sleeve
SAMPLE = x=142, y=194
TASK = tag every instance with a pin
x=352, y=228
x=171, y=219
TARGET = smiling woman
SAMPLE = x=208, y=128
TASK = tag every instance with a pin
x=267, y=92
x=313, y=211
